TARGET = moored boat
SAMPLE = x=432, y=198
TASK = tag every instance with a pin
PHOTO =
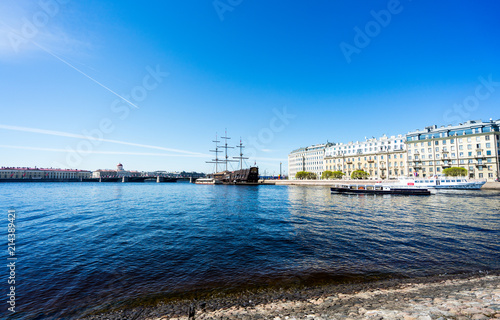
x=377, y=189
x=249, y=176
x=207, y=181
x=439, y=183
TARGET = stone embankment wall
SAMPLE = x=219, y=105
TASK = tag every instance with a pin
x=487, y=186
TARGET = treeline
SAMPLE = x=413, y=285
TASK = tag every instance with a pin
x=361, y=174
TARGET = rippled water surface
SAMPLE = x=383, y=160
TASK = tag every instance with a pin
x=89, y=245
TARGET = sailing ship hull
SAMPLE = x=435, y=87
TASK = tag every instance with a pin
x=248, y=176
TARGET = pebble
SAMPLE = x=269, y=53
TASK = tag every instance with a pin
x=460, y=299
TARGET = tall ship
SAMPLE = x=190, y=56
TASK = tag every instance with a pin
x=247, y=176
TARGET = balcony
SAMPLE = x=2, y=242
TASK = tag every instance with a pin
x=446, y=165
x=480, y=156
x=445, y=151
x=371, y=160
x=479, y=150
x=348, y=162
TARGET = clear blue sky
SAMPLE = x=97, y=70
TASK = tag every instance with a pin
x=158, y=79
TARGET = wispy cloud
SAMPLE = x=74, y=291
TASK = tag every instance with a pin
x=81, y=136
x=104, y=152
x=23, y=22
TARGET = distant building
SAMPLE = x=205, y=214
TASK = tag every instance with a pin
x=473, y=145
x=381, y=158
x=118, y=173
x=307, y=159
x=23, y=173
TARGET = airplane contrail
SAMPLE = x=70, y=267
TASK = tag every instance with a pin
x=83, y=73
x=81, y=136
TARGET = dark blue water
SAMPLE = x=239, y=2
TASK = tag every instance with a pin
x=84, y=246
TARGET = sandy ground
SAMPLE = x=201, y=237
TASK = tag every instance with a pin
x=442, y=297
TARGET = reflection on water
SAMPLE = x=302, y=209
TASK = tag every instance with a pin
x=89, y=244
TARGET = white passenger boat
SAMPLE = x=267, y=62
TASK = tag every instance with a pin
x=440, y=183
x=207, y=181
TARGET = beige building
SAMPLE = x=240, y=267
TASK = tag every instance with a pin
x=473, y=145
x=382, y=158
x=28, y=174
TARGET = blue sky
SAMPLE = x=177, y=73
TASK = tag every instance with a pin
x=153, y=82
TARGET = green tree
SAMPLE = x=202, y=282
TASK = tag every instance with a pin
x=455, y=172
x=305, y=175
x=311, y=176
x=326, y=175
x=359, y=174
x=301, y=175
x=337, y=174
x=332, y=174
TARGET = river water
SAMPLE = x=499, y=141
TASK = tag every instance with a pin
x=85, y=246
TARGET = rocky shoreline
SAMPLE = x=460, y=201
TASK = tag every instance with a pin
x=459, y=297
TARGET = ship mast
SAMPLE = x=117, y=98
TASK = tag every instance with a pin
x=241, y=154
x=225, y=148
x=216, y=151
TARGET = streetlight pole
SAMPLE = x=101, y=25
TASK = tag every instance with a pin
x=280, y=170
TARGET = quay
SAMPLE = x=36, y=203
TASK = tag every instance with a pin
x=328, y=183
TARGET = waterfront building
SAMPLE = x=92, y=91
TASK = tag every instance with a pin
x=307, y=159
x=118, y=173
x=473, y=145
x=381, y=158
x=24, y=173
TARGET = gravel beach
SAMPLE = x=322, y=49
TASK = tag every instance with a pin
x=474, y=297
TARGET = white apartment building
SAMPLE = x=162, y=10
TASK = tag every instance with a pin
x=381, y=158
x=307, y=159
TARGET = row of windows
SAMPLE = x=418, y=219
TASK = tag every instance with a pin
x=453, y=155
x=19, y=175
x=451, y=133
x=452, y=148
x=366, y=158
